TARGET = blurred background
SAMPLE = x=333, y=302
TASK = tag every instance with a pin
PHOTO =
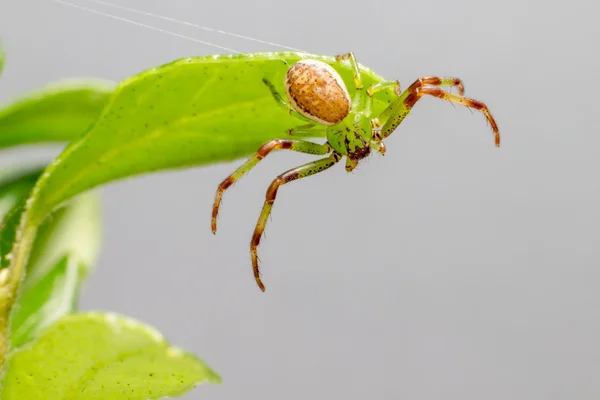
x=471, y=272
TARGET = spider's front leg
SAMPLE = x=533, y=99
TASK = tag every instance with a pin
x=352, y=59
x=300, y=146
x=395, y=113
x=358, y=80
x=287, y=177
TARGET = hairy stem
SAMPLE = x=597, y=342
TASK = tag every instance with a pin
x=9, y=290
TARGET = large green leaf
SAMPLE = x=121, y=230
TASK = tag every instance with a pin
x=191, y=112
x=59, y=112
x=101, y=357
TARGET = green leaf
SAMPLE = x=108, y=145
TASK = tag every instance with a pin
x=73, y=230
x=15, y=186
x=95, y=356
x=14, y=190
x=65, y=248
x=59, y=112
x=191, y=112
x=46, y=301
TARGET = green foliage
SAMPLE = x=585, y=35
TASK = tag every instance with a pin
x=64, y=251
x=101, y=357
x=73, y=230
x=60, y=345
x=191, y=112
x=65, y=248
x=14, y=190
x=59, y=112
x=45, y=301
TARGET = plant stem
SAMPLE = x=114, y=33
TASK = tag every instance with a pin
x=10, y=289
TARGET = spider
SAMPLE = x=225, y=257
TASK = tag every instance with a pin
x=317, y=95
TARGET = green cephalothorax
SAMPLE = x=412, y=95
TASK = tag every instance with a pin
x=317, y=95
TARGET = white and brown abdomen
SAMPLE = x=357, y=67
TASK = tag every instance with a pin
x=316, y=90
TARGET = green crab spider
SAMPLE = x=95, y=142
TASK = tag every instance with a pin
x=317, y=96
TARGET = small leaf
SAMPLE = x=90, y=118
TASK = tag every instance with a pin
x=65, y=248
x=59, y=112
x=96, y=356
x=73, y=230
x=45, y=301
x=15, y=187
x=63, y=253
x=14, y=190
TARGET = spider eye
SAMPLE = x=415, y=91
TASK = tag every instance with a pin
x=317, y=91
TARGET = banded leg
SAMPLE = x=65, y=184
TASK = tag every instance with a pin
x=300, y=146
x=351, y=164
x=395, y=113
x=284, y=103
x=426, y=80
x=291, y=175
x=350, y=57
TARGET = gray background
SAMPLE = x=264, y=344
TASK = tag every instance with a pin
x=448, y=269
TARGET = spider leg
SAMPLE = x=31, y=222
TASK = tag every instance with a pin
x=395, y=113
x=360, y=101
x=296, y=173
x=350, y=57
x=377, y=145
x=429, y=81
x=375, y=122
x=384, y=85
x=350, y=164
x=300, y=146
x=309, y=130
x=284, y=103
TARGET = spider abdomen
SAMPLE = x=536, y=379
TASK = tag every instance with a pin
x=317, y=91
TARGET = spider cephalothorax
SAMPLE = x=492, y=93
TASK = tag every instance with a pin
x=318, y=96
